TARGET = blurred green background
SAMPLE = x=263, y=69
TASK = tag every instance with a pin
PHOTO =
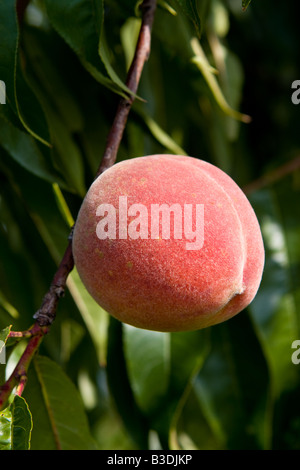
x=232, y=386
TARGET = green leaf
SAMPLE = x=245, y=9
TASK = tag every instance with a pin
x=63, y=113
x=5, y=429
x=45, y=66
x=95, y=318
x=15, y=426
x=189, y=8
x=65, y=152
x=20, y=98
x=158, y=133
x=202, y=63
x=24, y=149
x=120, y=386
x=81, y=25
x=165, y=5
x=4, y=335
x=245, y=4
x=188, y=353
x=27, y=252
x=104, y=54
x=274, y=310
x=57, y=410
x=3, y=338
x=147, y=356
x=161, y=368
x=15, y=268
x=218, y=390
x=21, y=424
x=7, y=308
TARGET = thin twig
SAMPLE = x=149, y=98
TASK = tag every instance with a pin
x=273, y=176
x=47, y=312
x=19, y=374
x=25, y=334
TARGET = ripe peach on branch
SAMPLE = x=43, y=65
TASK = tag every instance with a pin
x=168, y=243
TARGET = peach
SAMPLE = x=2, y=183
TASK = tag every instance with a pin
x=168, y=243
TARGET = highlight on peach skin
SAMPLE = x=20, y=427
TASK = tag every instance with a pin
x=168, y=243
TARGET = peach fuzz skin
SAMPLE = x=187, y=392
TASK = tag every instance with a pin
x=158, y=284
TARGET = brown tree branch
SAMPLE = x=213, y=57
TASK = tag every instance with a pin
x=273, y=176
x=47, y=312
x=19, y=375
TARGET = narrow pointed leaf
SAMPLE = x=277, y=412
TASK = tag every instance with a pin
x=20, y=99
x=21, y=424
x=189, y=8
x=148, y=361
x=245, y=4
x=80, y=24
x=57, y=410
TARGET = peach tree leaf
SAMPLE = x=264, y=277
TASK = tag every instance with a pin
x=4, y=335
x=21, y=101
x=80, y=24
x=57, y=409
x=21, y=424
x=245, y=4
x=147, y=356
x=15, y=426
x=24, y=149
x=5, y=429
x=275, y=309
x=189, y=8
x=121, y=388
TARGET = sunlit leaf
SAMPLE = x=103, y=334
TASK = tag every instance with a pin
x=57, y=411
x=21, y=423
x=3, y=336
x=5, y=429
x=202, y=63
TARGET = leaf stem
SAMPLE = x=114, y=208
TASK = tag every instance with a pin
x=24, y=334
